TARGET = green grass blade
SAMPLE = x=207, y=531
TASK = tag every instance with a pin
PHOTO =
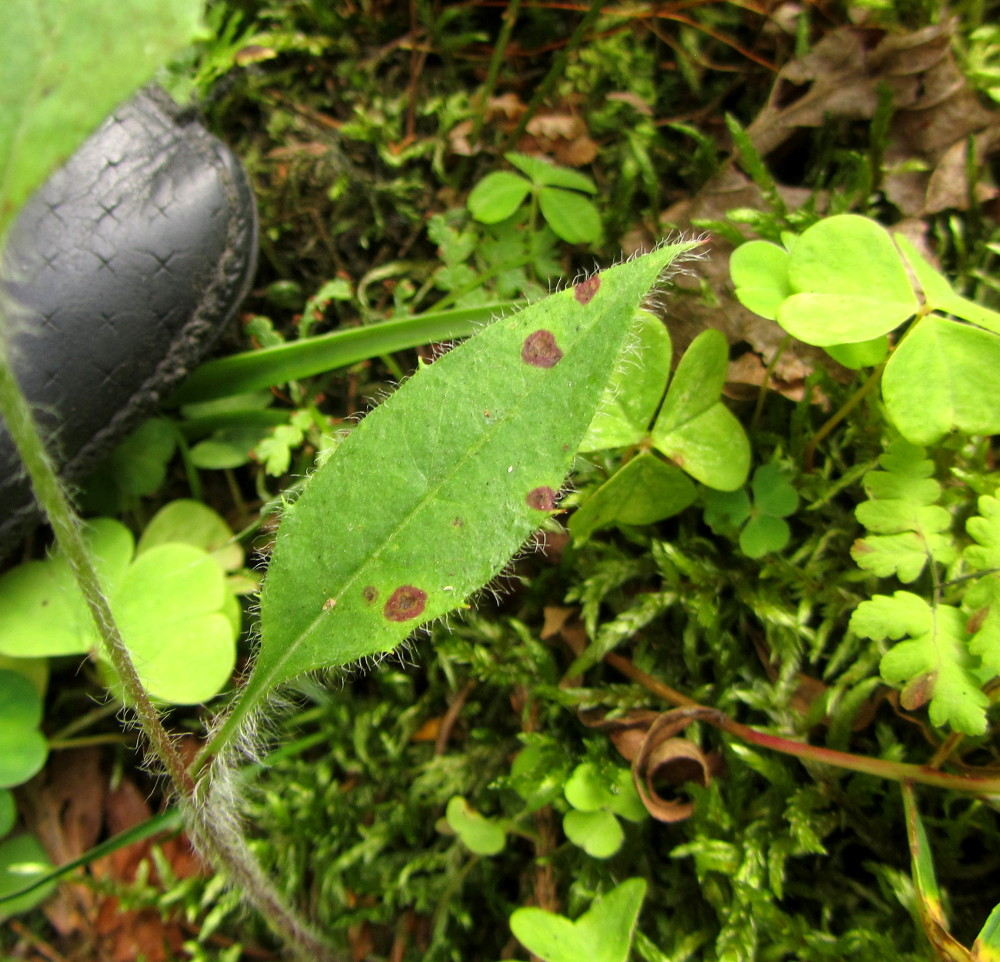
x=252, y=370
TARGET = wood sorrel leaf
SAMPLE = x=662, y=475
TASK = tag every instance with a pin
x=635, y=390
x=759, y=270
x=941, y=378
x=644, y=491
x=64, y=67
x=602, y=934
x=850, y=283
x=433, y=492
x=694, y=428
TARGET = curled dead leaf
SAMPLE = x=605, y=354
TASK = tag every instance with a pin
x=660, y=760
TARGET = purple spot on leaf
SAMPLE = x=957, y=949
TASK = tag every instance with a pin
x=404, y=603
x=540, y=349
x=585, y=290
x=541, y=499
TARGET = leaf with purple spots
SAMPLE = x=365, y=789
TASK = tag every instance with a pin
x=428, y=499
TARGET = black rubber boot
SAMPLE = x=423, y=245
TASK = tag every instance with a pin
x=117, y=277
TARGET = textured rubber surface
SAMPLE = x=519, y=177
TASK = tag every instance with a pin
x=117, y=277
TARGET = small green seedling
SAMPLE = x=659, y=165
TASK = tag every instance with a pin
x=845, y=285
x=690, y=426
x=170, y=594
x=602, y=934
x=554, y=191
x=482, y=835
x=758, y=515
x=598, y=802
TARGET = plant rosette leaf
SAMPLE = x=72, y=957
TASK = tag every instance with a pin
x=850, y=283
x=694, y=428
x=23, y=748
x=633, y=394
x=941, y=378
x=935, y=666
x=602, y=934
x=643, y=491
x=352, y=576
x=169, y=602
x=481, y=835
x=22, y=860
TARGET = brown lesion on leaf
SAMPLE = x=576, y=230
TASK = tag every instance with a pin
x=541, y=499
x=370, y=594
x=329, y=604
x=540, y=349
x=405, y=603
x=584, y=291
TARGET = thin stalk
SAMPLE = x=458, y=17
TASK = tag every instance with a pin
x=853, y=401
x=223, y=849
x=509, y=19
x=880, y=767
x=556, y=71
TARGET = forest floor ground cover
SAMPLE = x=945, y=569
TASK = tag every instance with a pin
x=411, y=806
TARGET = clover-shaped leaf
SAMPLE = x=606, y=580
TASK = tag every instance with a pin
x=694, y=428
x=941, y=378
x=759, y=270
x=602, y=934
x=644, y=491
x=22, y=860
x=634, y=392
x=23, y=748
x=170, y=600
x=597, y=798
x=482, y=835
x=572, y=217
x=850, y=283
x=760, y=518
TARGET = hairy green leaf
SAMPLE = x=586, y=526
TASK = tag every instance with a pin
x=433, y=492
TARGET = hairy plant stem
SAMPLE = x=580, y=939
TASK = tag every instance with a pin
x=225, y=850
